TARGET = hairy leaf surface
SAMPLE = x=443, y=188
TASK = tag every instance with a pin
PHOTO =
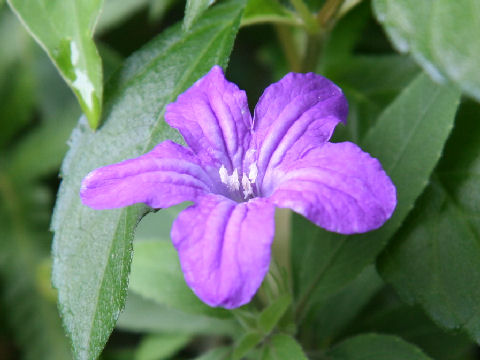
x=92, y=249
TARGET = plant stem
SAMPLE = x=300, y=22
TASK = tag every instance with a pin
x=315, y=44
x=308, y=18
x=327, y=15
x=287, y=43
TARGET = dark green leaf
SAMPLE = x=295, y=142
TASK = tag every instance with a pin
x=331, y=316
x=273, y=313
x=407, y=139
x=16, y=92
x=115, y=11
x=92, y=249
x=64, y=28
x=376, y=347
x=386, y=314
x=26, y=297
x=283, y=347
x=434, y=259
x=160, y=346
x=340, y=45
x=193, y=10
x=156, y=275
x=370, y=84
x=439, y=34
x=245, y=344
x=141, y=315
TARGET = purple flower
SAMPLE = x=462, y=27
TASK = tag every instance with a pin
x=237, y=170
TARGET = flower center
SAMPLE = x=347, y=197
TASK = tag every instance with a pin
x=233, y=181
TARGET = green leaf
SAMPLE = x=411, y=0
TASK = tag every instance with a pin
x=42, y=150
x=156, y=275
x=158, y=9
x=283, y=347
x=439, y=34
x=331, y=316
x=376, y=347
x=263, y=11
x=435, y=257
x=16, y=92
x=408, y=139
x=142, y=315
x=115, y=11
x=193, y=10
x=64, y=28
x=92, y=249
x=273, y=313
x=216, y=354
x=245, y=344
x=386, y=314
x=160, y=346
x=26, y=300
x=370, y=84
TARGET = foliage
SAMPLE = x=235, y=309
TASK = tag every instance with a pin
x=408, y=290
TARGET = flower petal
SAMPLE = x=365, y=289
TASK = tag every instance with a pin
x=214, y=119
x=298, y=112
x=165, y=176
x=224, y=248
x=338, y=187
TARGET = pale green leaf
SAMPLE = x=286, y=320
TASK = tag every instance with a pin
x=216, y=354
x=42, y=150
x=142, y=315
x=64, y=28
x=193, y=10
x=158, y=9
x=408, y=139
x=156, y=275
x=160, y=346
x=435, y=259
x=283, y=347
x=376, y=347
x=92, y=249
x=265, y=11
x=440, y=35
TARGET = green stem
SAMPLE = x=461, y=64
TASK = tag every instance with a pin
x=308, y=18
x=287, y=43
x=327, y=16
x=315, y=44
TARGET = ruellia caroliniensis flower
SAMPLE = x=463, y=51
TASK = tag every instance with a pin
x=236, y=170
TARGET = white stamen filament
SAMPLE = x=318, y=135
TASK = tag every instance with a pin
x=247, y=187
x=233, y=183
x=223, y=174
x=253, y=172
x=230, y=180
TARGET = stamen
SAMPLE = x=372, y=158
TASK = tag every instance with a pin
x=223, y=174
x=233, y=182
x=247, y=187
x=253, y=172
